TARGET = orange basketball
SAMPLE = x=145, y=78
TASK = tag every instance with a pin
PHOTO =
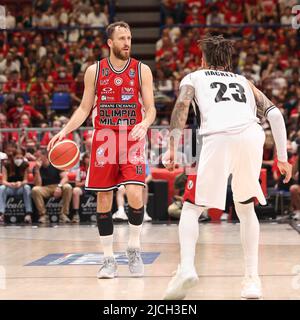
x=64, y=154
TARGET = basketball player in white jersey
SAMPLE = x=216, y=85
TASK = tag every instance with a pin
x=230, y=108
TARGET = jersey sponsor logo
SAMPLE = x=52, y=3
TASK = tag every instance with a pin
x=117, y=122
x=117, y=113
x=118, y=105
x=118, y=81
x=106, y=98
x=126, y=97
x=131, y=73
x=126, y=90
x=190, y=185
x=107, y=90
x=99, y=157
x=104, y=82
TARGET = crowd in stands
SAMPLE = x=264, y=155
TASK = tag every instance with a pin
x=40, y=55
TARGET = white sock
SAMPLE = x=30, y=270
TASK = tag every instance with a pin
x=107, y=245
x=249, y=229
x=188, y=234
x=134, y=236
x=121, y=209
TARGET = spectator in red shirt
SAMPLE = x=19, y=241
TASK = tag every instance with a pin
x=40, y=92
x=63, y=81
x=78, y=191
x=14, y=84
x=4, y=136
x=195, y=17
x=233, y=15
x=57, y=125
x=77, y=89
x=25, y=139
x=15, y=113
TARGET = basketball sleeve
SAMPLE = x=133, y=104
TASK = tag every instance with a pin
x=187, y=80
x=277, y=124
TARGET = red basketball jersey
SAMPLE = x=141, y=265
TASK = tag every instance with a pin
x=119, y=101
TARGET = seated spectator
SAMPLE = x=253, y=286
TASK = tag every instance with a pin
x=215, y=17
x=4, y=136
x=50, y=182
x=120, y=214
x=278, y=178
x=174, y=31
x=174, y=209
x=79, y=190
x=14, y=113
x=295, y=191
x=97, y=18
x=14, y=183
x=25, y=138
x=40, y=92
x=14, y=84
x=9, y=64
x=287, y=16
x=268, y=156
x=57, y=125
x=10, y=20
x=195, y=17
x=77, y=89
x=63, y=81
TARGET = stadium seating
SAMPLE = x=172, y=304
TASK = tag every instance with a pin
x=61, y=101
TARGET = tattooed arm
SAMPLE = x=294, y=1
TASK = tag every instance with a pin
x=181, y=109
x=178, y=121
x=265, y=108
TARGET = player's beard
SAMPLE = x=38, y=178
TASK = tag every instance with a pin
x=120, y=54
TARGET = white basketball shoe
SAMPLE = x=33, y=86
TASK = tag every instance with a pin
x=251, y=288
x=180, y=284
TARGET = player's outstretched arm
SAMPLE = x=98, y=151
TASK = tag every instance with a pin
x=140, y=130
x=267, y=109
x=178, y=121
x=82, y=112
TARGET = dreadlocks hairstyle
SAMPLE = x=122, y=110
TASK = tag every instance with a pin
x=217, y=52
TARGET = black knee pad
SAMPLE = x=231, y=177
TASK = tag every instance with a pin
x=135, y=216
x=105, y=223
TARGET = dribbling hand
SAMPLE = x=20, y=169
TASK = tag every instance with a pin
x=58, y=137
x=285, y=169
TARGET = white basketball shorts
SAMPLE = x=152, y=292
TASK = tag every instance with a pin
x=239, y=154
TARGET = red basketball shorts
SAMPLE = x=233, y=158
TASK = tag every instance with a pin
x=115, y=160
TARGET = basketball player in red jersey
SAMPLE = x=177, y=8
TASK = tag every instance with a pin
x=119, y=93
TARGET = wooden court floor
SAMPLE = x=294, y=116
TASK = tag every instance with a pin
x=218, y=259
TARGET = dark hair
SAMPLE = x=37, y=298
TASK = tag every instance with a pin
x=112, y=27
x=85, y=155
x=217, y=52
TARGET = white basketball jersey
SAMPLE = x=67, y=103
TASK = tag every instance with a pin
x=224, y=101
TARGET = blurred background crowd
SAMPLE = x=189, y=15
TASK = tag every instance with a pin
x=49, y=44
